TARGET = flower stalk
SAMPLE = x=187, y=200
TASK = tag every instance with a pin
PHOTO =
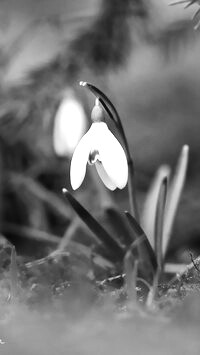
x=114, y=116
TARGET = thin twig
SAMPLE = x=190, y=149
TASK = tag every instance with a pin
x=30, y=233
x=193, y=262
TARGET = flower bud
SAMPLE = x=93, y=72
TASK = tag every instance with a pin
x=97, y=114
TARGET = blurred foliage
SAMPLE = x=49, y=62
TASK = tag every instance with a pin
x=31, y=175
x=151, y=73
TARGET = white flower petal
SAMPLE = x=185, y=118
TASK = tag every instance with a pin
x=104, y=176
x=69, y=125
x=79, y=161
x=112, y=156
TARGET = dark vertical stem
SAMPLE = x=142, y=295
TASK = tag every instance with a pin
x=159, y=220
x=132, y=191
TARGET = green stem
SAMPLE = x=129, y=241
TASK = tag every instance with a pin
x=159, y=221
x=113, y=114
x=132, y=190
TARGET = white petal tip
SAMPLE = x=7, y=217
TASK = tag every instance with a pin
x=64, y=190
x=122, y=186
x=75, y=186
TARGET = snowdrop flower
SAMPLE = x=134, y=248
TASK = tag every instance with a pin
x=69, y=125
x=99, y=147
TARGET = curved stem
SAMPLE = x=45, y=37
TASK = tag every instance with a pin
x=132, y=191
x=113, y=114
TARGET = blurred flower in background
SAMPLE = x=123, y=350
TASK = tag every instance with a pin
x=69, y=124
x=25, y=25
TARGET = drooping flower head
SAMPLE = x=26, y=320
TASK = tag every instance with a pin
x=99, y=147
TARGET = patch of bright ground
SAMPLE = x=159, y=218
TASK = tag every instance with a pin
x=100, y=332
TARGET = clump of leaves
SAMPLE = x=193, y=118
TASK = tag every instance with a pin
x=128, y=258
x=140, y=254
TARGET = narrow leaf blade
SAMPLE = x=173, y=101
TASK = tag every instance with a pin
x=119, y=225
x=107, y=240
x=159, y=222
x=149, y=208
x=145, y=250
x=174, y=195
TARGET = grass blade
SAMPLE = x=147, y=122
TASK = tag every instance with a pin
x=149, y=209
x=159, y=222
x=14, y=283
x=104, y=237
x=119, y=225
x=174, y=195
x=131, y=272
x=178, y=2
x=145, y=251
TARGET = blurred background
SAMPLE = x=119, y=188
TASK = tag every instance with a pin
x=145, y=56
